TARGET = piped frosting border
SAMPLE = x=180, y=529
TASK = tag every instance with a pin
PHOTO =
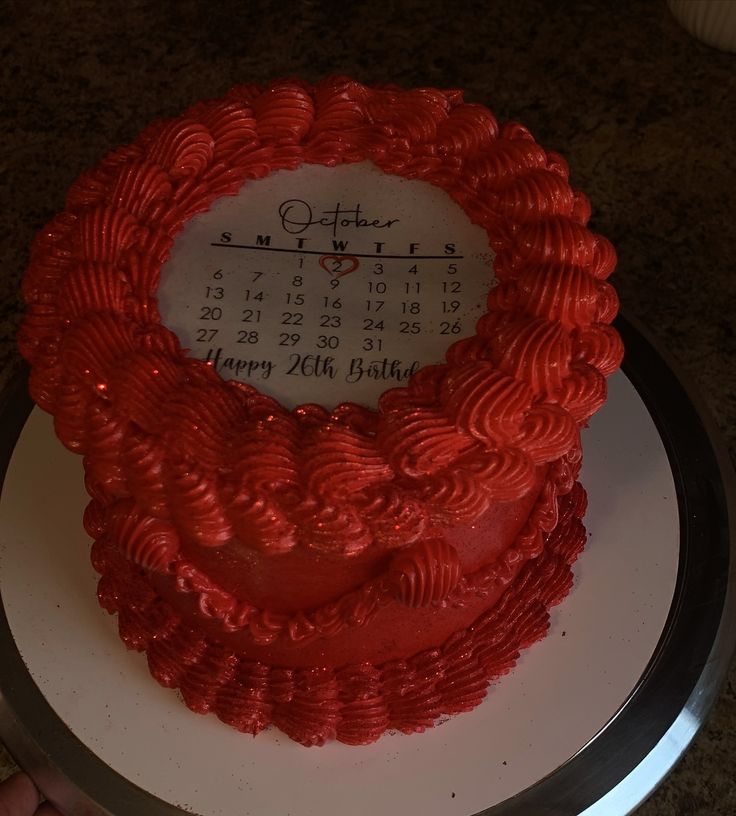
x=354, y=704
x=211, y=461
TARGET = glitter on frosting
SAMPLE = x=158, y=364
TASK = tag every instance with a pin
x=356, y=703
x=425, y=573
x=192, y=459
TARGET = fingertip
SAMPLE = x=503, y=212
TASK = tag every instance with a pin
x=20, y=794
x=47, y=809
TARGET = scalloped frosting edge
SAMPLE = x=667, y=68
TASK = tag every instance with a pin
x=145, y=542
x=151, y=422
x=354, y=704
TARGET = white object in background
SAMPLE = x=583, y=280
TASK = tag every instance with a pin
x=710, y=21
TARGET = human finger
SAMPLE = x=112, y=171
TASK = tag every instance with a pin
x=18, y=796
x=47, y=809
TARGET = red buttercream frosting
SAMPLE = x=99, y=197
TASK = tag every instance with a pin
x=336, y=573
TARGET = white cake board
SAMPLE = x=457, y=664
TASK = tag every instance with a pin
x=560, y=698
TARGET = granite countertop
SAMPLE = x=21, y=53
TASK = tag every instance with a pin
x=644, y=114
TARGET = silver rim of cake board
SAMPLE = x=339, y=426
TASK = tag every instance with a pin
x=620, y=766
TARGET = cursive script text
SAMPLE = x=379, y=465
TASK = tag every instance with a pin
x=297, y=217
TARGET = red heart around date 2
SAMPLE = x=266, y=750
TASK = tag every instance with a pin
x=338, y=265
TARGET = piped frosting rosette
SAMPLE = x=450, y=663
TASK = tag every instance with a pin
x=197, y=459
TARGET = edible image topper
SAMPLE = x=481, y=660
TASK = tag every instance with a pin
x=326, y=285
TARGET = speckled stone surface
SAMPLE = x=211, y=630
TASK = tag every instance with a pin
x=644, y=114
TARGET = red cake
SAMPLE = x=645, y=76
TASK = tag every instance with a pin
x=335, y=570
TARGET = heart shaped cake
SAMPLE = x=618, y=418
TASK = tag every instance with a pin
x=334, y=561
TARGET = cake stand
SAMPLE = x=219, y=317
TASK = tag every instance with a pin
x=589, y=722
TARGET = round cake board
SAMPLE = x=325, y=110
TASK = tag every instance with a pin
x=111, y=738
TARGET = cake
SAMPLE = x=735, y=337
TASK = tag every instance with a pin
x=336, y=570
